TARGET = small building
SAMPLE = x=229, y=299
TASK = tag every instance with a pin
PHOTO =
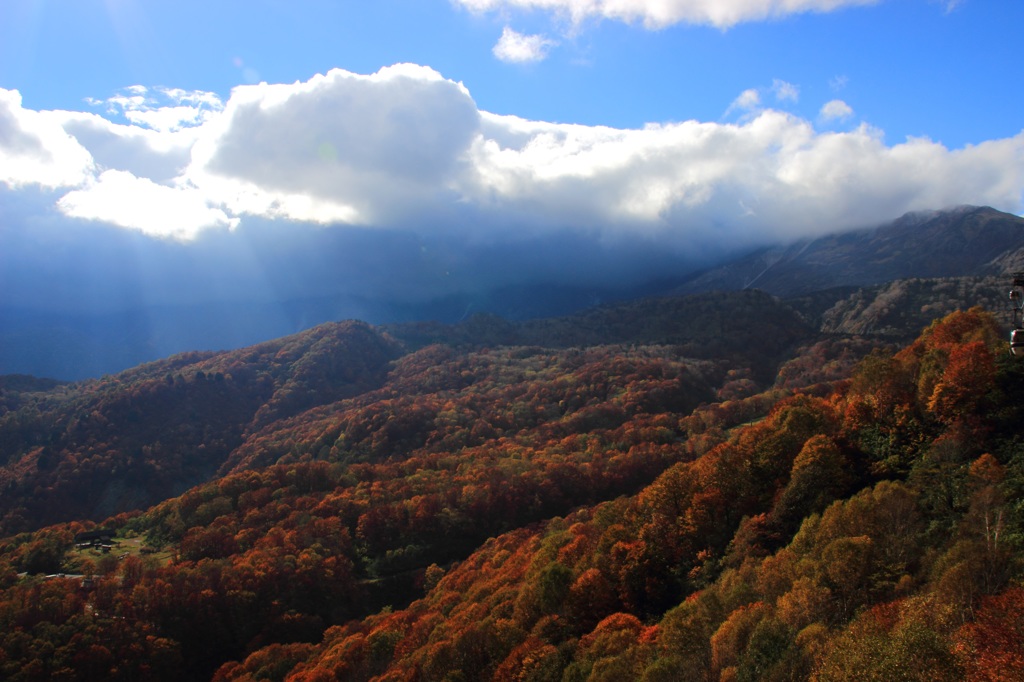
x=94, y=538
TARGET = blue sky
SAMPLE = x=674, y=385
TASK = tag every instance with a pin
x=479, y=143
x=949, y=71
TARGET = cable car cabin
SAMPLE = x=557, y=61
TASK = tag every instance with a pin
x=1017, y=342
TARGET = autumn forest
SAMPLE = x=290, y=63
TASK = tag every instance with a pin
x=714, y=487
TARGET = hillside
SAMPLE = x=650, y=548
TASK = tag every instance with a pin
x=966, y=242
x=609, y=512
x=868, y=534
x=124, y=442
x=89, y=450
x=897, y=310
x=369, y=489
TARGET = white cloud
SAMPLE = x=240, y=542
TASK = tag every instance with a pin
x=520, y=48
x=771, y=177
x=748, y=100
x=374, y=147
x=35, y=149
x=408, y=148
x=785, y=91
x=120, y=198
x=117, y=169
x=836, y=110
x=160, y=156
x=163, y=109
x=662, y=13
x=837, y=83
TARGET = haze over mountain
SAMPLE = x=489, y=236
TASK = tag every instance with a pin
x=107, y=300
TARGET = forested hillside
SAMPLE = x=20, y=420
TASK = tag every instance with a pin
x=540, y=504
x=898, y=310
x=127, y=441
x=870, y=533
x=89, y=450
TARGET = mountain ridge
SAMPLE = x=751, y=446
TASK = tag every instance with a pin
x=960, y=242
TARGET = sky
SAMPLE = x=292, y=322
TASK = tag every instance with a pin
x=157, y=153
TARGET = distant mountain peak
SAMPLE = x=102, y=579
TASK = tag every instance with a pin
x=962, y=241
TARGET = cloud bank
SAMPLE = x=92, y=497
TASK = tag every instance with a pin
x=405, y=148
x=661, y=13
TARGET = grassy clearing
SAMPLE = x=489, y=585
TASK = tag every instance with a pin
x=78, y=558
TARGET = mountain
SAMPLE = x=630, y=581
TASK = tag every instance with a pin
x=349, y=462
x=745, y=326
x=964, y=242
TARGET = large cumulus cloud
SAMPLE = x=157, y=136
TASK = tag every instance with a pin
x=340, y=146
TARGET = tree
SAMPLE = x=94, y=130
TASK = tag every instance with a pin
x=991, y=648
x=904, y=640
x=968, y=378
x=818, y=476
